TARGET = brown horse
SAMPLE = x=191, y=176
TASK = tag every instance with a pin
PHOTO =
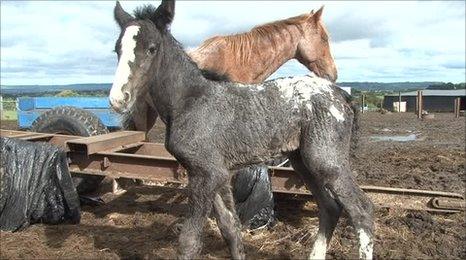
x=253, y=56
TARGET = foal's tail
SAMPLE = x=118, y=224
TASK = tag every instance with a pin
x=355, y=127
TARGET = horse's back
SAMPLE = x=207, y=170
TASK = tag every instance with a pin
x=268, y=119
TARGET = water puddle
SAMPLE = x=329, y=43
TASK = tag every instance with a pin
x=394, y=138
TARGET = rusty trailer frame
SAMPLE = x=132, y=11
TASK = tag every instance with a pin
x=125, y=154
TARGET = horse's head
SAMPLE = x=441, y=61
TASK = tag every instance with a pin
x=137, y=48
x=314, y=48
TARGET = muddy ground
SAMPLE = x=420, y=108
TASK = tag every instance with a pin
x=137, y=224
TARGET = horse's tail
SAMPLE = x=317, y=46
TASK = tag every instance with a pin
x=355, y=128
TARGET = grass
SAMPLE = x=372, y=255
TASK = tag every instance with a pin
x=9, y=115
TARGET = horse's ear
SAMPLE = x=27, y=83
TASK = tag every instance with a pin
x=312, y=12
x=318, y=14
x=165, y=13
x=121, y=16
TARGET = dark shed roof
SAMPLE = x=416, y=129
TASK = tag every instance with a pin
x=436, y=92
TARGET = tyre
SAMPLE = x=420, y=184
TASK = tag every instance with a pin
x=73, y=121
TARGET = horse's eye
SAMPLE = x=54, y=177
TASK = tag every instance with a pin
x=152, y=49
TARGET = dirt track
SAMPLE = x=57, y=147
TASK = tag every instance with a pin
x=137, y=224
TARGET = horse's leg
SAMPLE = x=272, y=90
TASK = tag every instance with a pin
x=205, y=180
x=329, y=210
x=360, y=210
x=325, y=153
x=228, y=222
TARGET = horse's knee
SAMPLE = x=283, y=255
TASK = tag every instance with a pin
x=355, y=202
x=364, y=209
x=176, y=149
x=326, y=170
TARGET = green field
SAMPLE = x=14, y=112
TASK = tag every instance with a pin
x=9, y=115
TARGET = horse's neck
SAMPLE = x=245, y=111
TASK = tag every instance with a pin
x=174, y=80
x=262, y=60
x=266, y=59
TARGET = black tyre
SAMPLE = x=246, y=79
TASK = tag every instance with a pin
x=73, y=121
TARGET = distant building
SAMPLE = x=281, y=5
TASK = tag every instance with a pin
x=433, y=100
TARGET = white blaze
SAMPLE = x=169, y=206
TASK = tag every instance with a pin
x=128, y=44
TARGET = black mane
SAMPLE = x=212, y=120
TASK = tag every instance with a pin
x=214, y=76
x=148, y=12
x=144, y=12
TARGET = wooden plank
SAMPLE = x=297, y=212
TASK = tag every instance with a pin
x=399, y=101
x=12, y=133
x=18, y=134
x=37, y=136
x=419, y=104
x=457, y=107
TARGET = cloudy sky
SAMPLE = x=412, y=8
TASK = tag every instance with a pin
x=65, y=42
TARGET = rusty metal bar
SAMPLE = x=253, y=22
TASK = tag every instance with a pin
x=445, y=203
x=284, y=180
x=115, y=140
x=115, y=156
x=117, y=165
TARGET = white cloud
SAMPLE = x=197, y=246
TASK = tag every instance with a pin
x=71, y=42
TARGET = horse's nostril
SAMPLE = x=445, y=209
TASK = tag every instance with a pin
x=126, y=96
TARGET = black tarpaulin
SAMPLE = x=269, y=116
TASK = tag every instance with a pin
x=253, y=195
x=35, y=186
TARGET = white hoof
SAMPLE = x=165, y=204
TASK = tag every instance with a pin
x=365, y=245
x=319, y=249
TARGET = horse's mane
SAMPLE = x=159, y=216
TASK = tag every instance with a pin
x=127, y=119
x=242, y=43
x=214, y=76
x=146, y=11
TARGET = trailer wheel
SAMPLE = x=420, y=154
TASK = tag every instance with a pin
x=73, y=121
